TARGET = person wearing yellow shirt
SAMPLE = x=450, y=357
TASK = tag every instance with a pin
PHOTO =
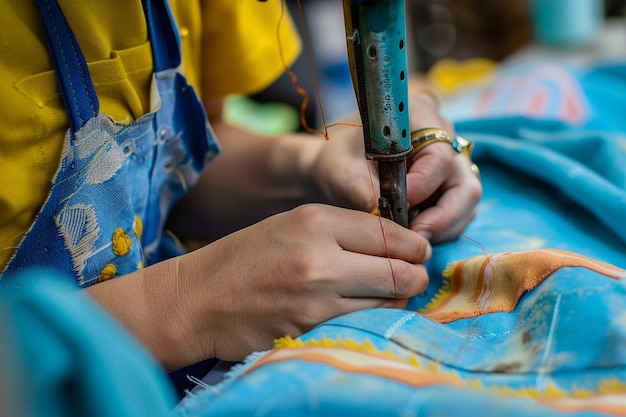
x=107, y=154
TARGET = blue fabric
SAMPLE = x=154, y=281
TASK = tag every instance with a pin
x=70, y=358
x=554, y=178
x=166, y=51
x=116, y=184
x=77, y=90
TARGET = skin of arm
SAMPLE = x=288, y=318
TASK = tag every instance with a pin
x=269, y=275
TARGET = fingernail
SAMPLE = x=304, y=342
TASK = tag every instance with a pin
x=428, y=252
x=426, y=235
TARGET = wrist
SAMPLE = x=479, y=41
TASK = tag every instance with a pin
x=151, y=305
x=177, y=337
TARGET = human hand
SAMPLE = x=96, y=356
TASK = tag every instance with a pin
x=442, y=188
x=292, y=271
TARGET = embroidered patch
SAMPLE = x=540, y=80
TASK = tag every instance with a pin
x=490, y=283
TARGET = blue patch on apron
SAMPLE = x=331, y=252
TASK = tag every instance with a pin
x=110, y=198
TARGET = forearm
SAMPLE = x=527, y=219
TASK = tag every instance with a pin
x=253, y=178
x=151, y=304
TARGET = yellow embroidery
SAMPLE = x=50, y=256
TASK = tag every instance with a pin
x=138, y=226
x=363, y=357
x=121, y=242
x=107, y=272
x=444, y=291
x=365, y=346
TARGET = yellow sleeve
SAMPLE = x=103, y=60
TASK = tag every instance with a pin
x=228, y=46
x=242, y=45
x=114, y=40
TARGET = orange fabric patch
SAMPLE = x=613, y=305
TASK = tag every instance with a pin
x=491, y=283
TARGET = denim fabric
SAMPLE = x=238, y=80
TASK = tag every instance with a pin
x=109, y=200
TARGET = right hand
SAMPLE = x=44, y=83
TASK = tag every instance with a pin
x=292, y=271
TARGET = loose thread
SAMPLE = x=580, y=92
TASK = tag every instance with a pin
x=295, y=83
x=382, y=230
x=489, y=264
x=294, y=77
x=307, y=46
x=325, y=134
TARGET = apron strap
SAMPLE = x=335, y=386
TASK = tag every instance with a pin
x=163, y=34
x=70, y=67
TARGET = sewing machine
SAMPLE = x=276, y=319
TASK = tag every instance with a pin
x=376, y=39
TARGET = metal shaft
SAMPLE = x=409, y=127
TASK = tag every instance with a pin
x=392, y=202
x=376, y=39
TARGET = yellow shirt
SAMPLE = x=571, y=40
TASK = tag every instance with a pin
x=229, y=46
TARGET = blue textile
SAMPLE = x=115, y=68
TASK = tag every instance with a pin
x=69, y=358
x=554, y=197
x=552, y=153
x=116, y=183
x=81, y=103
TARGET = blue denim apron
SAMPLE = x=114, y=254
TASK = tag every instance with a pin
x=116, y=183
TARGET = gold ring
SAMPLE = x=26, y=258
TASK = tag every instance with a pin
x=423, y=137
x=464, y=146
x=475, y=169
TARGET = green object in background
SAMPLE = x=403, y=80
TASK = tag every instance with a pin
x=268, y=118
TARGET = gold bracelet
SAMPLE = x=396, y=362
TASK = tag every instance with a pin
x=424, y=137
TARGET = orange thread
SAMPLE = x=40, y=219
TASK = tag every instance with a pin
x=306, y=127
x=382, y=231
x=294, y=77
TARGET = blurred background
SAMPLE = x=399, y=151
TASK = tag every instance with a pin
x=449, y=41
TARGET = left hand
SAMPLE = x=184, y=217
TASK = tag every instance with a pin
x=440, y=181
x=441, y=185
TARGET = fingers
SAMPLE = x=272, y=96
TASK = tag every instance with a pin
x=380, y=277
x=429, y=224
x=455, y=208
x=439, y=180
x=431, y=166
x=345, y=178
x=363, y=233
x=380, y=259
x=373, y=257
x=429, y=169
